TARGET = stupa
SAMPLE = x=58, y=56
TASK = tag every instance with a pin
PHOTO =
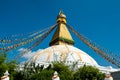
x=62, y=49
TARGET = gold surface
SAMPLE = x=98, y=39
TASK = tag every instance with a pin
x=61, y=32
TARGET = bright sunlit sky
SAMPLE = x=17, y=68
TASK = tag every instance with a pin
x=98, y=20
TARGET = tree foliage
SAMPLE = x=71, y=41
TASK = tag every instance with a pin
x=33, y=72
x=88, y=73
x=64, y=71
x=39, y=72
x=4, y=65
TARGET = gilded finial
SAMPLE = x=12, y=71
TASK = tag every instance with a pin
x=61, y=12
x=61, y=17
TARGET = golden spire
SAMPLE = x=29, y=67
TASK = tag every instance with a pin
x=61, y=18
x=61, y=35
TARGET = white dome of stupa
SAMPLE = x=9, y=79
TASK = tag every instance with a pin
x=66, y=53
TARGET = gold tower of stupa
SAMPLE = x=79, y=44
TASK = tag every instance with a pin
x=61, y=35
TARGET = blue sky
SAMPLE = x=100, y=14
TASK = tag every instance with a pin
x=99, y=20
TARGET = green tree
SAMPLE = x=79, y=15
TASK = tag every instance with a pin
x=10, y=66
x=33, y=72
x=43, y=75
x=37, y=72
x=88, y=73
x=3, y=66
x=65, y=73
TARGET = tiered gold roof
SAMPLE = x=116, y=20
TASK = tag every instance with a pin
x=61, y=35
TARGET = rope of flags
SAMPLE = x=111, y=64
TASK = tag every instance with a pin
x=7, y=48
x=37, y=42
x=102, y=52
x=15, y=41
x=19, y=37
